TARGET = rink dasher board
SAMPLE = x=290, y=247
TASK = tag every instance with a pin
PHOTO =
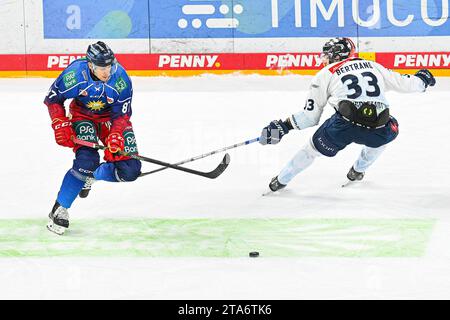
x=185, y=64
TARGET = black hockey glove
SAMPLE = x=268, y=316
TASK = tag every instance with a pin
x=276, y=130
x=427, y=77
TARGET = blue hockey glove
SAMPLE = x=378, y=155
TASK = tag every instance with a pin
x=427, y=77
x=276, y=130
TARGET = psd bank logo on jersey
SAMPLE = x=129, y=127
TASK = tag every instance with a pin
x=217, y=15
x=95, y=105
x=85, y=131
x=130, y=143
x=70, y=79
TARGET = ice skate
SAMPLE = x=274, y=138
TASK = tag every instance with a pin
x=58, y=219
x=87, y=187
x=353, y=176
x=274, y=186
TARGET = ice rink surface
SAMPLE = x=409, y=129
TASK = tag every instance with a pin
x=172, y=235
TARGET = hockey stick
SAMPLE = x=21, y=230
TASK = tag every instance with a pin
x=202, y=156
x=211, y=175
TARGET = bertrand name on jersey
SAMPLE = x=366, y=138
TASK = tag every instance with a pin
x=354, y=66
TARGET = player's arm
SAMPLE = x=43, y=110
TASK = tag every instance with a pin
x=406, y=83
x=54, y=100
x=316, y=101
x=120, y=121
x=63, y=88
x=310, y=115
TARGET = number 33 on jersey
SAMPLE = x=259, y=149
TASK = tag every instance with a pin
x=355, y=80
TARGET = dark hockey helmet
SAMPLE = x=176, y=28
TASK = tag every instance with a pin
x=100, y=54
x=338, y=49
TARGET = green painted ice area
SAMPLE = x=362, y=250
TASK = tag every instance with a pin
x=355, y=238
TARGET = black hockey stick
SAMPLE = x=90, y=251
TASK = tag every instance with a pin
x=211, y=175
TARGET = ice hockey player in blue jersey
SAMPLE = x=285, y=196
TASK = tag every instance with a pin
x=100, y=109
x=355, y=88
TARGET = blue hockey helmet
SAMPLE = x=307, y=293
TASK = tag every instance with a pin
x=338, y=49
x=100, y=54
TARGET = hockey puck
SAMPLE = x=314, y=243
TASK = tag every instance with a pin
x=253, y=254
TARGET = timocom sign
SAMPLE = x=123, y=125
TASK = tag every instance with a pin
x=245, y=19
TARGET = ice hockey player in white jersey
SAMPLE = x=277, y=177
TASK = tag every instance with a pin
x=355, y=88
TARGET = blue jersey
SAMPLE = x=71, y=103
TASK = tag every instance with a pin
x=102, y=100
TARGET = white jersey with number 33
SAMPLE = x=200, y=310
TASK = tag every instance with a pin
x=353, y=79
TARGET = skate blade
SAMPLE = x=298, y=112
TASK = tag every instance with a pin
x=349, y=182
x=55, y=228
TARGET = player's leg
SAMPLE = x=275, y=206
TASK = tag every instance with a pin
x=302, y=160
x=375, y=142
x=119, y=171
x=86, y=187
x=120, y=168
x=366, y=158
x=331, y=137
x=87, y=131
x=85, y=162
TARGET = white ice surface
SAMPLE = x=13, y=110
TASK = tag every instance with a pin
x=175, y=118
